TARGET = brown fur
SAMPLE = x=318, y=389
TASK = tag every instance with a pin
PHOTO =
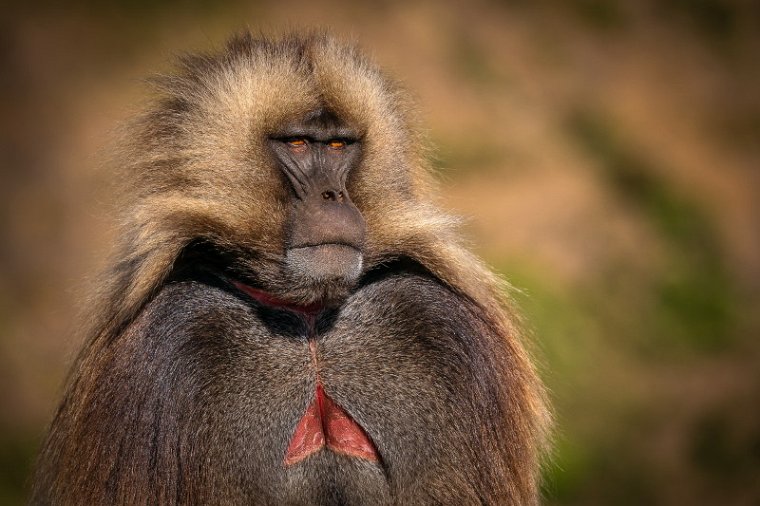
x=196, y=168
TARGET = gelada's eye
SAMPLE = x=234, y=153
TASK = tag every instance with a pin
x=337, y=144
x=297, y=142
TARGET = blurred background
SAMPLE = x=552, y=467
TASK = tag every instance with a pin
x=605, y=155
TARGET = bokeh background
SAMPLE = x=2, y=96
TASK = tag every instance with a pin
x=605, y=155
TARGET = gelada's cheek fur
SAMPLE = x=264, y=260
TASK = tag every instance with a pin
x=291, y=320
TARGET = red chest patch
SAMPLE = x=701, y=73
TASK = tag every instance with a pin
x=327, y=424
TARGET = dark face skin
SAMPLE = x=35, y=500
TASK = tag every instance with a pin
x=325, y=232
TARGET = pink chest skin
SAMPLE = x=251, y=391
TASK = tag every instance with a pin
x=325, y=423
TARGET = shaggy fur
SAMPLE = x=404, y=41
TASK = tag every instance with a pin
x=425, y=351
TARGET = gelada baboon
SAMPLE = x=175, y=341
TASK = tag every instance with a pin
x=290, y=319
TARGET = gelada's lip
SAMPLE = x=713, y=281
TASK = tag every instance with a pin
x=325, y=262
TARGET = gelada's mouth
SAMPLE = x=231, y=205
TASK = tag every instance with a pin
x=322, y=262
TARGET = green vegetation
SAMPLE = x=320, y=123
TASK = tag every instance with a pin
x=693, y=293
x=16, y=457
